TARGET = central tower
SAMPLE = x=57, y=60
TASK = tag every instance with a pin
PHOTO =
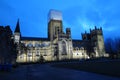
x=54, y=24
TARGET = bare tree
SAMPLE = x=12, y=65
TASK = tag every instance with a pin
x=7, y=46
x=117, y=45
x=112, y=47
x=109, y=45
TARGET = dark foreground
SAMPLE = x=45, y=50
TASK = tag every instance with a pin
x=109, y=68
x=47, y=72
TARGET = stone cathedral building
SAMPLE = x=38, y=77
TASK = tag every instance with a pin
x=59, y=45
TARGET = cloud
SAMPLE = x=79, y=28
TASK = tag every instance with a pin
x=101, y=13
x=109, y=29
x=79, y=15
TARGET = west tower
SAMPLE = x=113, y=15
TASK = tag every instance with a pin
x=98, y=41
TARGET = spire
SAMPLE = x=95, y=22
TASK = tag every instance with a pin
x=17, y=29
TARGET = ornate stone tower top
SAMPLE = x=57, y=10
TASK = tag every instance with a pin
x=54, y=15
x=54, y=24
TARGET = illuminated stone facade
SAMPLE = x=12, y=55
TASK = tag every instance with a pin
x=59, y=45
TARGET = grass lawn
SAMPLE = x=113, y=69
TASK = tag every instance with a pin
x=110, y=68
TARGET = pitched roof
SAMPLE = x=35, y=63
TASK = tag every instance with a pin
x=34, y=39
x=77, y=43
x=80, y=43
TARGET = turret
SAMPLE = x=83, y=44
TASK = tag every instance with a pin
x=68, y=32
x=86, y=36
x=17, y=33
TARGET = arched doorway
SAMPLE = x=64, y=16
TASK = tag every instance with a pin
x=64, y=51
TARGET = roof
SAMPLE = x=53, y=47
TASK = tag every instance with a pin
x=77, y=43
x=77, y=40
x=80, y=43
x=34, y=39
x=17, y=29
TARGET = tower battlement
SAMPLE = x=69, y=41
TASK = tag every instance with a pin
x=96, y=31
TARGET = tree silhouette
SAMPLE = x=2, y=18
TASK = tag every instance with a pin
x=117, y=45
x=7, y=46
x=109, y=45
x=112, y=47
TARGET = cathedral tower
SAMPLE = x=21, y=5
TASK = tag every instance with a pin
x=54, y=24
x=98, y=41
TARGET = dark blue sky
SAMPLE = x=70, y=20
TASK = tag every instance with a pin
x=79, y=15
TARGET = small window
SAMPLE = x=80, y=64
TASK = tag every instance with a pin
x=82, y=53
x=21, y=56
x=77, y=54
x=99, y=39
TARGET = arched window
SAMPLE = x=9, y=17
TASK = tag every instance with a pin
x=37, y=51
x=64, y=52
x=77, y=49
x=37, y=45
x=29, y=52
x=30, y=45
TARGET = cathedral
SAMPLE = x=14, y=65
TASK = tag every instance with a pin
x=58, y=45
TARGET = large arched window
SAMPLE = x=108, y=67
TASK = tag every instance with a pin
x=37, y=45
x=64, y=52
